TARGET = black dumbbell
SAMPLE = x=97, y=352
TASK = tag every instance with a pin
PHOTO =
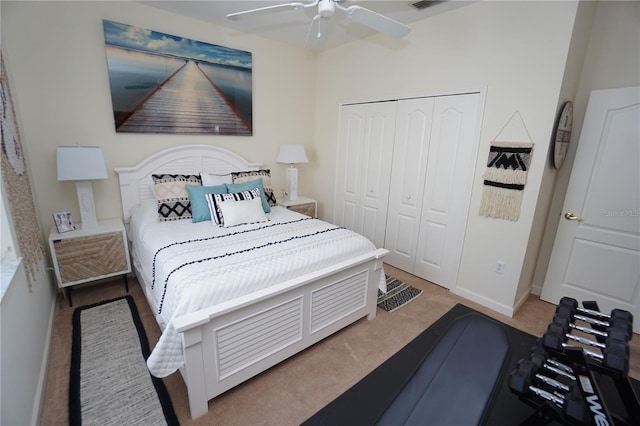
x=613, y=337
x=552, y=365
x=611, y=357
x=599, y=324
x=572, y=404
x=618, y=318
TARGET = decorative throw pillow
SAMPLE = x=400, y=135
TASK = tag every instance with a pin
x=211, y=179
x=199, y=207
x=248, y=186
x=214, y=200
x=265, y=174
x=241, y=212
x=172, y=197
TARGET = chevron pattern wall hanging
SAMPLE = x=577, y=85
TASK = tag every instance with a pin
x=505, y=179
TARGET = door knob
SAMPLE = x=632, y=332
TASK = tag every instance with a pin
x=571, y=216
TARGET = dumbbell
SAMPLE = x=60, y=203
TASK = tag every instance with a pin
x=542, y=362
x=571, y=404
x=617, y=319
x=611, y=357
x=613, y=337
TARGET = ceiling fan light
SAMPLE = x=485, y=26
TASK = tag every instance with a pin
x=326, y=8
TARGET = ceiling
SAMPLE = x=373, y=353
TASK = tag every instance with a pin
x=291, y=27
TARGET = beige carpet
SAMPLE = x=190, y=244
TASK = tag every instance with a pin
x=294, y=390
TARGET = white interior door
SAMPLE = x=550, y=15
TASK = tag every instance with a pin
x=453, y=150
x=411, y=147
x=365, y=144
x=596, y=253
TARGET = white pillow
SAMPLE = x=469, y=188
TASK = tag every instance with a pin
x=210, y=179
x=242, y=212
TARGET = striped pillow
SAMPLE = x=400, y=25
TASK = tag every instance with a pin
x=213, y=200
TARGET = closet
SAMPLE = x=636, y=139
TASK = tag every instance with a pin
x=404, y=176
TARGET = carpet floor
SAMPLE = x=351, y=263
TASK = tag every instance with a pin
x=296, y=389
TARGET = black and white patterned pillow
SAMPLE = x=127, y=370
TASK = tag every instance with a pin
x=214, y=200
x=172, y=196
x=265, y=174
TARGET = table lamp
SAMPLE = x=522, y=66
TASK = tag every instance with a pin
x=292, y=154
x=82, y=164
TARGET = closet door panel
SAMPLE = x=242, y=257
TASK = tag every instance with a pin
x=410, y=152
x=447, y=190
x=365, y=144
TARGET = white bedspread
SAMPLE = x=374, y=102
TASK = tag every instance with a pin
x=192, y=266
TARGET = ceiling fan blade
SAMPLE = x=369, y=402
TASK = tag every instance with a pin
x=314, y=36
x=377, y=21
x=266, y=10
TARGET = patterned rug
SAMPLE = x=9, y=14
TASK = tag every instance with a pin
x=398, y=294
x=109, y=381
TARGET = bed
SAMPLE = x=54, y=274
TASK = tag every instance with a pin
x=255, y=294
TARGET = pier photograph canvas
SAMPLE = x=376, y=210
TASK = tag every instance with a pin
x=163, y=83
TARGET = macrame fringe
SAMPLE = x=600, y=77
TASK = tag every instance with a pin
x=500, y=203
x=507, y=176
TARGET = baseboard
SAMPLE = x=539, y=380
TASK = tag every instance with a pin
x=487, y=303
x=38, y=400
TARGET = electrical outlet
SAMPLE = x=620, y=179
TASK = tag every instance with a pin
x=499, y=269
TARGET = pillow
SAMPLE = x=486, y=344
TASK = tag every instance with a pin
x=199, y=207
x=172, y=197
x=210, y=179
x=248, y=186
x=214, y=201
x=241, y=177
x=242, y=212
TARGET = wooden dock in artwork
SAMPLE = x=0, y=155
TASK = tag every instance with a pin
x=188, y=102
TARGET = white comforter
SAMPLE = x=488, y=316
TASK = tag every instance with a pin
x=191, y=266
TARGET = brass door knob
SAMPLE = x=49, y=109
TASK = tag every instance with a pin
x=571, y=216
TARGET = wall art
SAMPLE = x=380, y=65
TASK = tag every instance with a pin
x=162, y=83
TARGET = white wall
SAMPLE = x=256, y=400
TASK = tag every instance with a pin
x=25, y=321
x=62, y=92
x=500, y=45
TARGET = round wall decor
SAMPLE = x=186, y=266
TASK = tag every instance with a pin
x=562, y=134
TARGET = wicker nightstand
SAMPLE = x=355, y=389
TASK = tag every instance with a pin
x=302, y=205
x=91, y=254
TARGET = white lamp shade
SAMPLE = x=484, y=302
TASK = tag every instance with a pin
x=292, y=154
x=81, y=163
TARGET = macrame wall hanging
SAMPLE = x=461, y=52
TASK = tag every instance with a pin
x=17, y=185
x=506, y=176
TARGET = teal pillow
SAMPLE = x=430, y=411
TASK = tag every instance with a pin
x=248, y=186
x=199, y=207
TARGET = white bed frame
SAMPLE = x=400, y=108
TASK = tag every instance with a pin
x=226, y=344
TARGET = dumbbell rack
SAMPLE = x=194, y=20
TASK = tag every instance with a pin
x=572, y=384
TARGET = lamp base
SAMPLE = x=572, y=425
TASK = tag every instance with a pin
x=87, y=206
x=292, y=184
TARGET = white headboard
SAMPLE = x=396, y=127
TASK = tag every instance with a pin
x=136, y=183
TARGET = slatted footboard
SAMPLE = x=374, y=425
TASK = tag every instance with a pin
x=232, y=342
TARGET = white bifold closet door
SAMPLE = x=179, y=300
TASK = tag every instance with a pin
x=404, y=178
x=435, y=151
x=362, y=173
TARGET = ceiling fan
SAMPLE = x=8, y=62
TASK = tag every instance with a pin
x=326, y=9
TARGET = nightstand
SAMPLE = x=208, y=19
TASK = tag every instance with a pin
x=302, y=205
x=85, y=255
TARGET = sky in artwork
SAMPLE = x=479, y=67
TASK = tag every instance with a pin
x=136, y=38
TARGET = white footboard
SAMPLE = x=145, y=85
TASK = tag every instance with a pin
x=229, y=343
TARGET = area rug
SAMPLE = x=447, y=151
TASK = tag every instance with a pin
x=109, y=381
x=366, y=401
x=398, y=294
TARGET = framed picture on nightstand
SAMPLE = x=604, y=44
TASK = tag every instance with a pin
x=64, y=222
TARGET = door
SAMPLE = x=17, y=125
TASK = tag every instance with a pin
x=447, y=188
x=365, y=144
x=596, y=253
x=410, y=150
x=435, y=151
